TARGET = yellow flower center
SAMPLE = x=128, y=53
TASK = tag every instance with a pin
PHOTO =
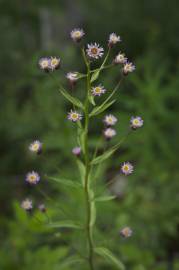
x=97, y=89
x=77, y=34
x=74, y=115
x=35, y=147
x=126, y=168
x=54, y=62
x=32, y=178
x=94, y=50
x=136, y=121
x=44, y=64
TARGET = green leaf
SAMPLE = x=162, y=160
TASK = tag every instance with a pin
x=64, y=224
x=107, y=254
x=93, y=208
x=101, y=108
x=105, y=198
x=95, y=75
x=103, y=157
x=108, y=153
x=91, y=100
x=66, y=182
x=70, y=98
x=70, y=261
x=81, y=168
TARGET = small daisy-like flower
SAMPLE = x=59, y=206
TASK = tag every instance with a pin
x=27, y=204
x=109, y=133
x=95, y=51
x=120, y=58
x=54, y=63
x=98, y=90
x=36, y=147
x=32, y=178
x=136, y=122
x=72, y=77
x=113, y=39
x=44, y=63
x=126, y=232
x=42, y=208
x=128, y=68
x=76, y=151
x=74, y=116
x=110, y=120
x=127, y=168
x=77, y=34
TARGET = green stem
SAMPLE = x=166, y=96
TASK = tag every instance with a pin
x=89, y=228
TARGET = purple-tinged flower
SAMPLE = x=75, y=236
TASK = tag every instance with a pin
x=126, y=232
x=77, y=34
x=27, y=204
x=74, y=116
x=54, y=63
x=36, y=147
x=109, y=133
x=110, y=120
x=44, y=63
x=98, y=90
x=72, y=77
x=94, y=51
x=76, y=151
x=42, y=208
x=128, y=68
x=127, y=168
x=120, y=58
x=136, y=122
x=113, y=39
x=32, y=178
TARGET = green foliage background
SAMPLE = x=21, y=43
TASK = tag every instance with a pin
x=31, y=107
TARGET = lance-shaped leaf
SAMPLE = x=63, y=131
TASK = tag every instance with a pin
x=93, y=208
x=101, y=108
x=108, y=256
x=66, y=182
x=73, y=100
x=91, y=100
x=71, y=261
x=81, y=168
x=95, y=75
x=105, y=198
x=64, y=224
x=108, y=153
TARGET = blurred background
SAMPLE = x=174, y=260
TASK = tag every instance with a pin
x=32, y=108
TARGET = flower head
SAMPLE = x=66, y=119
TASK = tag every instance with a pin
x=110, y=120
x=120, y=58
x=127, y=168
x=76, y=151
x=136, y=122
x=128, y=67
x=36, y=147
x=44, y=63
x=77, y=34
x=98, y=90
x=42, y=208
x=109, y=133
x=27, y=204
x=32, y=178
x=113, y=39
x=95, y=51
x=72, y=76
x=74, y=116
x=54, y=63
x=126, y=232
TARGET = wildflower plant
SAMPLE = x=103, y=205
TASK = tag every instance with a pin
x=81, y=114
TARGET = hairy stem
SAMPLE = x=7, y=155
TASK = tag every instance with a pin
x=86, y=182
